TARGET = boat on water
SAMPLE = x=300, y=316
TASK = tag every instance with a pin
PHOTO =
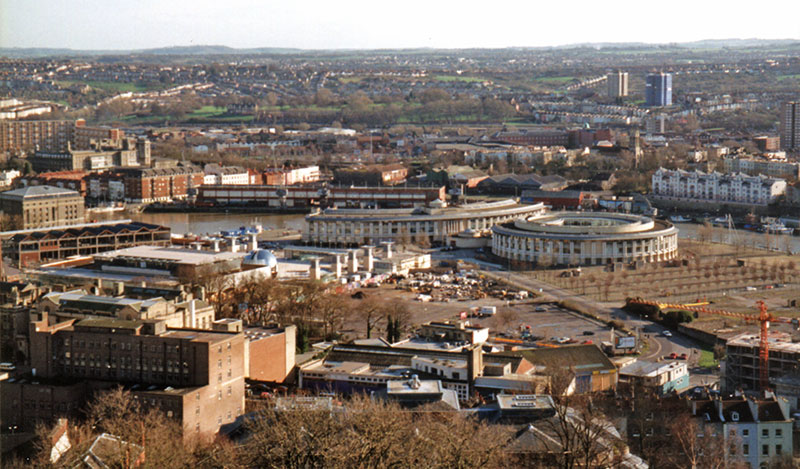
x=720, y=221
x=679, y=219
x=777, y=228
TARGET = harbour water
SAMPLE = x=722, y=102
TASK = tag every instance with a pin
x=204, y=223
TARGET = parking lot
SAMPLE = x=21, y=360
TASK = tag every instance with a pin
x=549, y=322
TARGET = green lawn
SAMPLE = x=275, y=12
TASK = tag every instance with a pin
x=116, y=87
x=707, y=359
x=555, y=80
x=207, y=111
x=451, y=78
x=788, y=77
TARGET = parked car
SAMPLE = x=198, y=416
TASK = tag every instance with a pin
x=683, y=356
x=588, y=333
x=540, y=309
x=673, y=355
x=666, y=333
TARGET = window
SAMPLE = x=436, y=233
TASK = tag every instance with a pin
x=765, y=450
x=765, y=433
x=778, y=449
x=229, y=390
x=778, y=432
x=219, y=363
x=219, y=396
x=746, y=450
x=745, y=432
x=229, y=345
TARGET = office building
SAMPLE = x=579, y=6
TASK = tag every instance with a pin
x=101, y=156
x=43, y=206
x=617, y=84
x=790, y=126
x=658, y=90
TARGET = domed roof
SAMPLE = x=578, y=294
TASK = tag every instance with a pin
x=260, y=257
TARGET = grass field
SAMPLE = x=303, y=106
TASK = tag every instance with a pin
x=788, y=77
x=451, y=78
x=115, y=87
x=554, y=80
x=707, y=359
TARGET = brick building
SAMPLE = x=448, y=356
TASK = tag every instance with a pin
x=51, y=135
x=84, y=136
x=194, y=376
x=270, y=353
x=374, y=175
x=160, y=184
x=74, y=180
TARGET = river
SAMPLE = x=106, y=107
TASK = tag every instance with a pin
x=203, y=223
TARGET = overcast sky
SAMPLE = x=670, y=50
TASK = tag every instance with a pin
x=373, y=24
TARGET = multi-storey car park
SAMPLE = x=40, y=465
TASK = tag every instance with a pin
x=371, y=226
x=577, y=238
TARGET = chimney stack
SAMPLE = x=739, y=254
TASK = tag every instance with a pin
x=253, y=242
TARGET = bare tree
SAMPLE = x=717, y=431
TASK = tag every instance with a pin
x=370, y=311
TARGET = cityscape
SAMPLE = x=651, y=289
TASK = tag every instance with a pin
x=581, y=254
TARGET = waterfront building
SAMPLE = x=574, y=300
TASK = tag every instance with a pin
x=581, y=238
x=43, y=206
x=26, y=248
x=716, y=187
x=435, y=223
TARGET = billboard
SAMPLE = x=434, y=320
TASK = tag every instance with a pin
x=625, y=342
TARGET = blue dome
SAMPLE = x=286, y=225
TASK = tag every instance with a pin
x=260, y=257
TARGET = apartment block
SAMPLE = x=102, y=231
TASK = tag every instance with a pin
x=790, y=126
x=716, y=187
x=47, y=135
x=617, y=84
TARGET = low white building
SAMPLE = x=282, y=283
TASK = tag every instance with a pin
x=716, y=187
x=218, y=175
x=7, y=177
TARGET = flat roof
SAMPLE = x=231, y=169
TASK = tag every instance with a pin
x=170, y=254
x=197, y=335
x=645, y=368
x=524, y=401
x=405, y=387
x=38, y=191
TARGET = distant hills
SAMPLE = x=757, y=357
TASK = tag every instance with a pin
x=205, y=50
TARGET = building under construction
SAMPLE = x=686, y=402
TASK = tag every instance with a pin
x=742, y=368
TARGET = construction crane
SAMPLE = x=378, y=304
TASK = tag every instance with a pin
x=763, y=318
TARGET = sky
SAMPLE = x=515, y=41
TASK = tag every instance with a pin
x=380, y=24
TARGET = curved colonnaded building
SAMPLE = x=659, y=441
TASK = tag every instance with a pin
x=585, y=238
x=346, y=227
